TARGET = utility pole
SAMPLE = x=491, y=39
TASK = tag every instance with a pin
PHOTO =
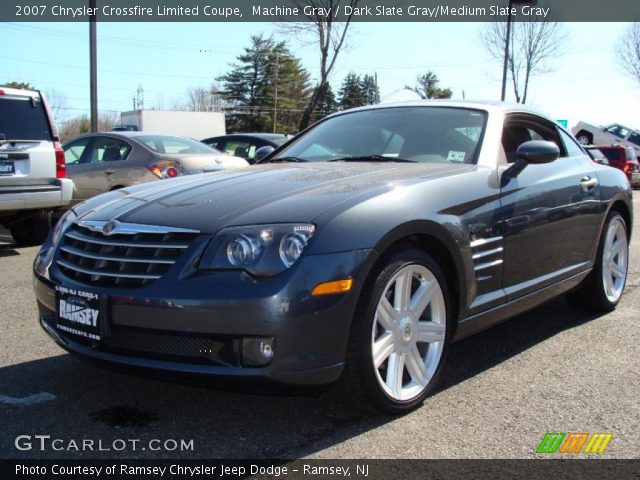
x=508, y=41
x=275, y=94
x=93, y=68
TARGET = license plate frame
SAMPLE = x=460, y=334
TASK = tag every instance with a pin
x=7, y=168
x=81, y=313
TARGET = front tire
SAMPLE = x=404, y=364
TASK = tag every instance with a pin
x=399, y=336
x=603, y=289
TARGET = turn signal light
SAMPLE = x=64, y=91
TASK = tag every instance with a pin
x=337, y=286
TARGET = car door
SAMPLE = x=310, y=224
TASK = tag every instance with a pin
x=93, y=174
x=547, y=211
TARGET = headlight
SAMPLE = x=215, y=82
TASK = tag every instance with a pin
x=262, y=250
x=65, y=221
x=45, y=255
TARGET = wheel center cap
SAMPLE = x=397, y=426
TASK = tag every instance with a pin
x=407, y=333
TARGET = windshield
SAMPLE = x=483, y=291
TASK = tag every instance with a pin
x=23, y=118
x=175, y=145
x=416, y=134
x=596, y=153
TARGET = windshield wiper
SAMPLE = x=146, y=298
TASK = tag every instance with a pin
x=371, y=158
x=285, y=159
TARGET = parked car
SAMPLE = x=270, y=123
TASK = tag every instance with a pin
x=101, y=162
x=596, y=154
x=353, y=255
x=245, y=145
x=125, y=128
x=588, y=134
x=623, y=158
x=33, y=180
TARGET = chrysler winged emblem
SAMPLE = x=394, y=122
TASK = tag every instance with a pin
x=109, y=227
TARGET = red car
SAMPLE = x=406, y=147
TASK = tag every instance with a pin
x=623, y=158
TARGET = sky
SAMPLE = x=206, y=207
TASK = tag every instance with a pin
x=167, y=59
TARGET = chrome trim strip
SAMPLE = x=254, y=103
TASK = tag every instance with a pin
x=122, y=228
x=98, y=273
x=486, y=253
x=94, y=256
x=107, y=241
x=483, y=266
x=484, y=241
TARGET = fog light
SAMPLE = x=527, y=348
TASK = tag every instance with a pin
x=257, y=351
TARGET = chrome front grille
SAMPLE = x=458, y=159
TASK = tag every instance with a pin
x=120, y=254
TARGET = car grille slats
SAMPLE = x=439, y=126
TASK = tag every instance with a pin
x=131, y=259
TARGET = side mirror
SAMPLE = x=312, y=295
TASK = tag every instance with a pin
x=533, y=151
x=262, y=152
x=538, y=151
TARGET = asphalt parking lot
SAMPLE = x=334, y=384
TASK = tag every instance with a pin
x=551, y=370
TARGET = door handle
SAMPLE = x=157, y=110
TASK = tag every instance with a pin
x=588, y=183
x=109, y=172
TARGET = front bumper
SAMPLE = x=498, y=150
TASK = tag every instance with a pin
x=194, y=325
x=23, y=197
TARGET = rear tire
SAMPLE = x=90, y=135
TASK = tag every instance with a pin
x=603, y=288
x=399, y=335
x=32, y=230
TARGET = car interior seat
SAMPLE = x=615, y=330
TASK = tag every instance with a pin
x=422, y=147
x=512, y=137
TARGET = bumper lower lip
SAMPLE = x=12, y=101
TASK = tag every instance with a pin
x=310, y=332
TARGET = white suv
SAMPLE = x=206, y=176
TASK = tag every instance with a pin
x=33, y=179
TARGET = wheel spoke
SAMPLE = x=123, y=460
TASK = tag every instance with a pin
x=402, y=292
x=395, y=371
x=387, y=316
x=617, y=270
x=416, y=367
x=422, y=297
x=382, y=348
x=609, y=287
x=617, y=247
x=429, y=332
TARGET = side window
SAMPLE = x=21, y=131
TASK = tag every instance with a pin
x=523, y=128
x=106, y=149
x=570, y=146
x=634, y=138
x=240, y=149
x=73, y=151
x=618, y=130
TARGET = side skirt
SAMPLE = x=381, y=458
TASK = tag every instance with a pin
x=481, y=321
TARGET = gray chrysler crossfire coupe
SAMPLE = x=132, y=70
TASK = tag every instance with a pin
x=354, y=254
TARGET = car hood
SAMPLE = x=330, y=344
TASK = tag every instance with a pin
x=274, y=193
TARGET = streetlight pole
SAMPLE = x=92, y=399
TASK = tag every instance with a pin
x=93, y=68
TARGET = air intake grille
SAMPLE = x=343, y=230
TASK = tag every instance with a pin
x=129, y=255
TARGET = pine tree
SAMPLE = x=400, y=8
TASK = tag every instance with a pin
x=352, y=92
x=370, y=89
x=266, y=79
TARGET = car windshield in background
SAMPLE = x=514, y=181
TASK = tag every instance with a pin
x=23, y=118
x=414, y=134
x=596, y=153
x=174, y=145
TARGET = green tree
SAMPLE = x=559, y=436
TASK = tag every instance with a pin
x=352, y=92
x=370, y=89
x=20, y=85
x=427, y=87
x=266, y=88
x=327, y=103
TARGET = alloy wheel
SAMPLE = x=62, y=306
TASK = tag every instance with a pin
x=615, y=260
x=408, y=335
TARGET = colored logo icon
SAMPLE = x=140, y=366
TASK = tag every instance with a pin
x=583, y=442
